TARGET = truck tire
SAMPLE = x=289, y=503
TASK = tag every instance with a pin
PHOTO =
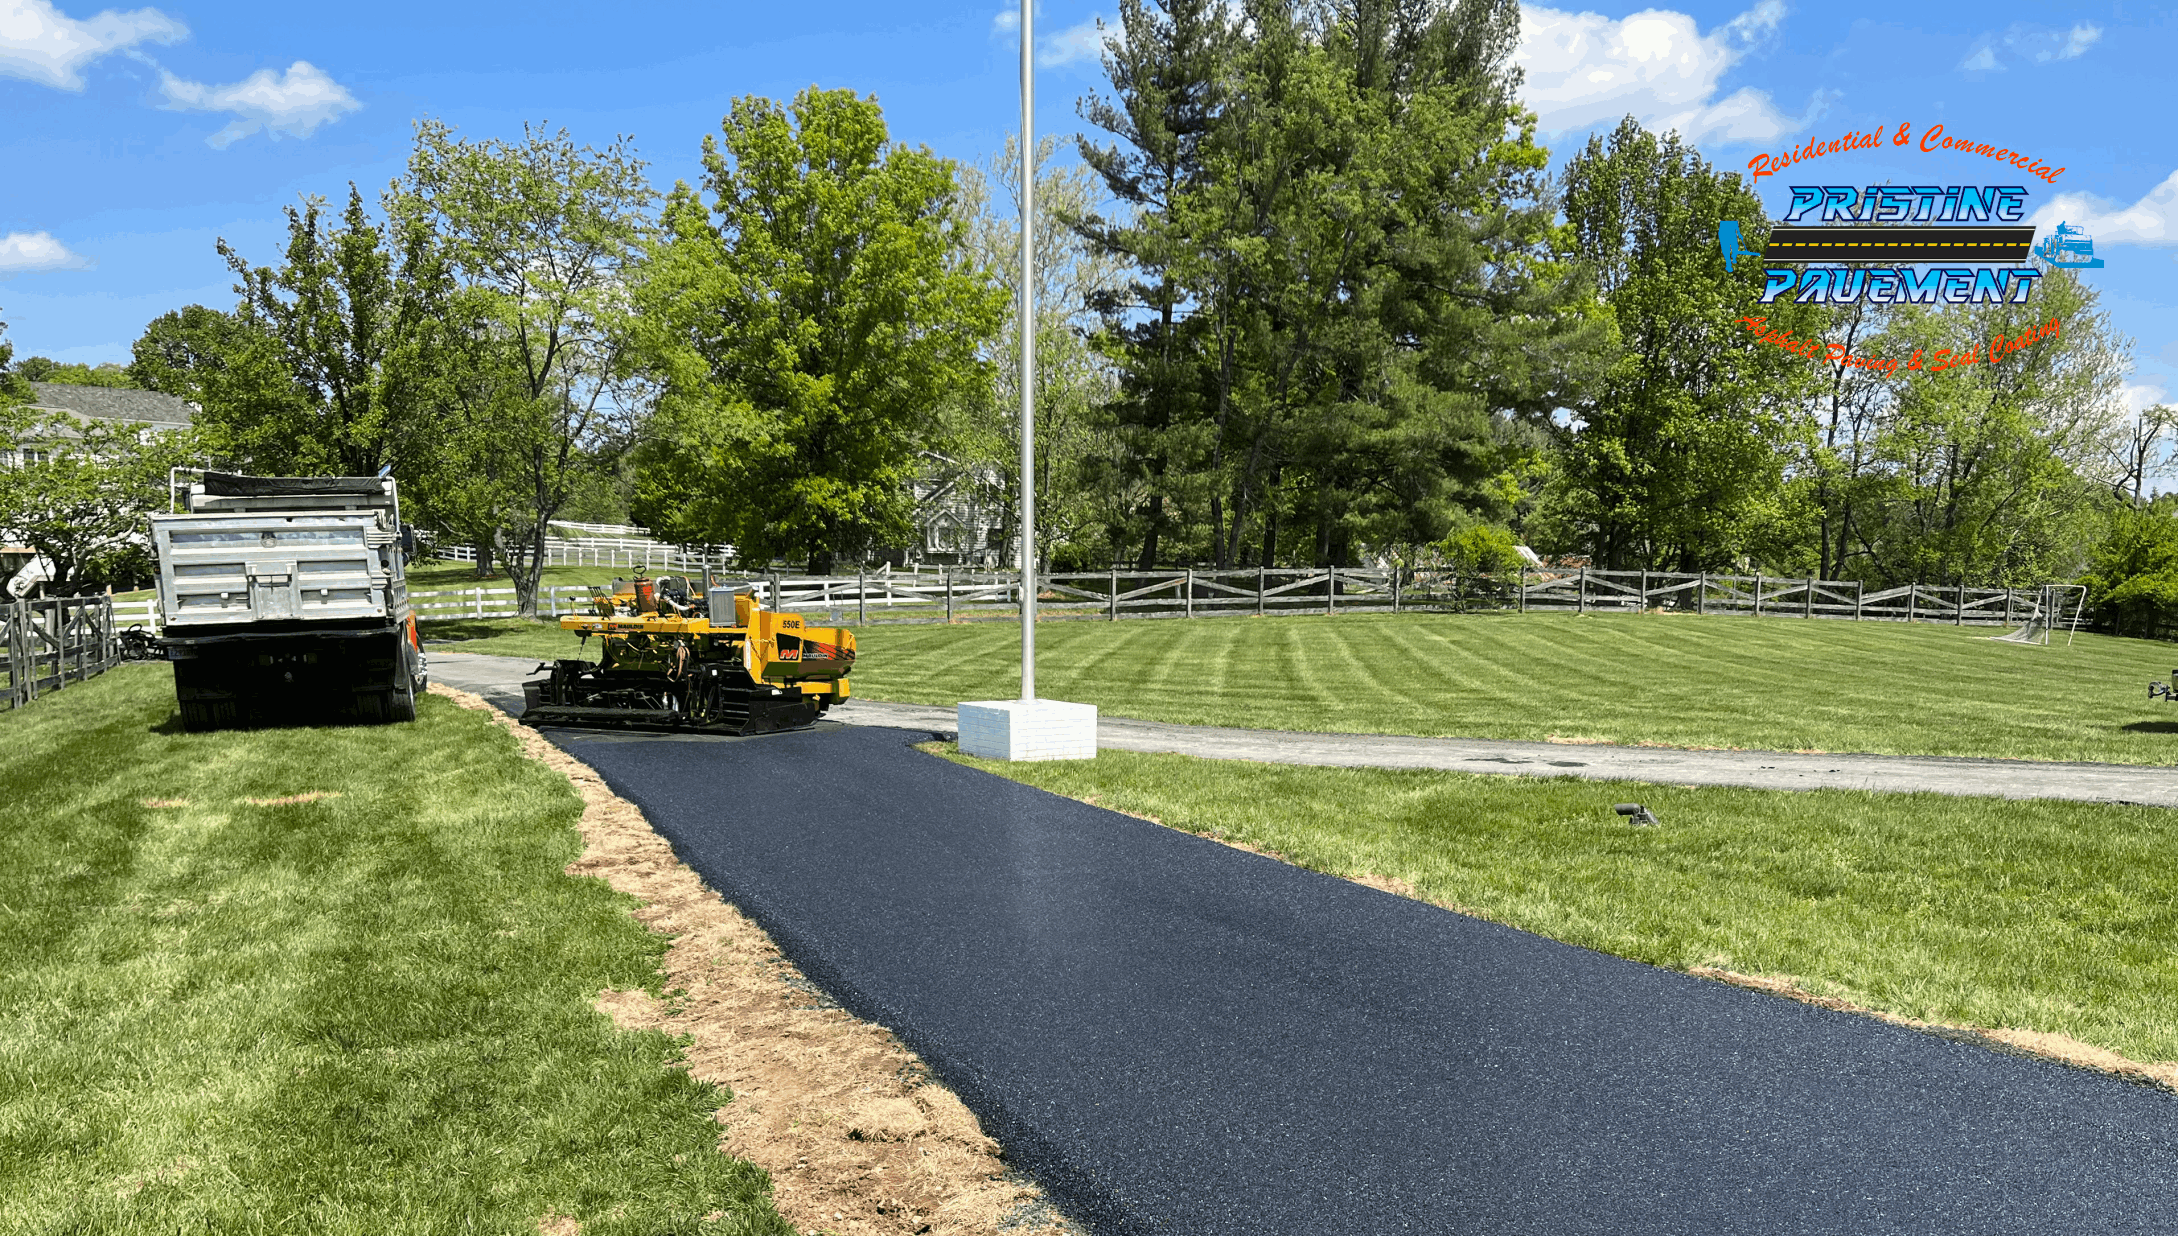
x=200, y=716
x=404, y=704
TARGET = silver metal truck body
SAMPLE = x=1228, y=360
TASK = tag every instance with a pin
x=288, y=596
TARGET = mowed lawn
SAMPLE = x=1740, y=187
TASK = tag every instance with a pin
x=1772, y=684
x=1776, y=684
x=327, y=980
x=2046, y=916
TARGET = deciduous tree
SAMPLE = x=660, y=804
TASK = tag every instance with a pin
x=807, y=327
x=1678, y=460
x=529, y=356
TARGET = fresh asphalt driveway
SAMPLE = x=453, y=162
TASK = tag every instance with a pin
x=1174, y=1036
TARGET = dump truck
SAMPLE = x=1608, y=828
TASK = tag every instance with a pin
x=286, y=599
x=672, y=657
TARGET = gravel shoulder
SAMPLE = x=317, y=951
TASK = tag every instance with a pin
x=499, y=680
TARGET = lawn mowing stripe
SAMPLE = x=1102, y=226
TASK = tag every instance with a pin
x=306, y=1017
x=1773, y=683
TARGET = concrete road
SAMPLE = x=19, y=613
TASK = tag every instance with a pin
x=499, y=679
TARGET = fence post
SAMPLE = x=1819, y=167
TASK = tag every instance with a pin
x=480, y=600
x=1262, y=581
x=1808, y=610
x=1858, y=586
x=1958, y=608
x=1190, y=586
x=1758, y=592
x=1913, y=593
x=1396, y=573
x=1111, y=594
x=1642, y=602
x=947, y=573
x=1580, y=593
x=1701, y=593
x=1523, y=587
x=862, y=595
x=2007, y=606
x=29, y=662
x=1331, y=590
x=777, y=601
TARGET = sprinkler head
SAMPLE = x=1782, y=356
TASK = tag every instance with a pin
x=1635, y=812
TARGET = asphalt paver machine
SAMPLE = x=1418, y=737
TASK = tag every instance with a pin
x=703, y=660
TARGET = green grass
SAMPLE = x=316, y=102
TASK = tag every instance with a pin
x=503, y=637
x=365, y=1014
x=1772, y=684
x=433, y=574
x=2049, y=916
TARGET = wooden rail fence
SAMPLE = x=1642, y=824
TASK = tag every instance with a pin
x=961, y=595
x=53, y=643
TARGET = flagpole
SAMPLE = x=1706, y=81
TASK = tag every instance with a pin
x=1028, y=351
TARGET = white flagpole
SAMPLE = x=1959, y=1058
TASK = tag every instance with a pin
x=1028, y=350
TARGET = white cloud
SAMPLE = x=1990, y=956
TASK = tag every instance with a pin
x=2153, y=220
x=1075, y=43
x=1584, y=69
x=20, y=251
x=293, y=104
x=2022, y=41
x=1082, y=42
x=39, y=42
x=2149, y=390
x=2077, y=40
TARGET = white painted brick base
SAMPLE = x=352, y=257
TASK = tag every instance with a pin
x=1028, y=730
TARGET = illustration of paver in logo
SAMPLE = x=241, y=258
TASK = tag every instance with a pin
x=1728, y=240
x=2069, y=247
x=1895, y=235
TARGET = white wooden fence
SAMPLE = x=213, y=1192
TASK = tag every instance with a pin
x=963, y=595
x=631, y=553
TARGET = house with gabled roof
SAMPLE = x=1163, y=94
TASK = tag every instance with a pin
x=150, y=411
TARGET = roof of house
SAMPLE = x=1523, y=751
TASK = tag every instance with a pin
x=106, y=403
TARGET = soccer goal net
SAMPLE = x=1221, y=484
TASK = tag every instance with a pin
x=2057, y=607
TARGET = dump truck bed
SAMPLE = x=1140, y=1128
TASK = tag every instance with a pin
x=220, y=570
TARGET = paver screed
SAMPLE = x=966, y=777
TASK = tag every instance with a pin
x=1174, y=1036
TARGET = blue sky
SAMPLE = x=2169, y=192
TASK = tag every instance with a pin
x=134, y=138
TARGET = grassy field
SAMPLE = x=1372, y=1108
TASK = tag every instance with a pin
x=227, y=1007
x=1772, y=684
x=433, y=574
x=2050, y=916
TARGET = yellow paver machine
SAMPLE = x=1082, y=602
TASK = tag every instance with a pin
x=669, y=661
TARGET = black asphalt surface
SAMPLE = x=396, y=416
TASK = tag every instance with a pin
x=1173, y=1036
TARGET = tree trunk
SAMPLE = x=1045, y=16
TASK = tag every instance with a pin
x=527, y=571
x=1149, y=536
